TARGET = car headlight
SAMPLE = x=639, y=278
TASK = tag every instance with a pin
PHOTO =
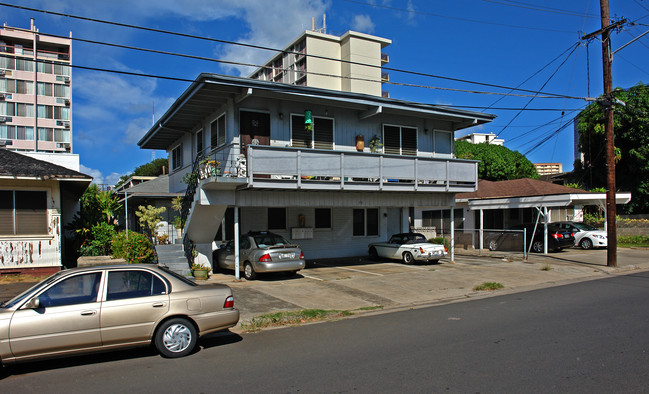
x=599, y=236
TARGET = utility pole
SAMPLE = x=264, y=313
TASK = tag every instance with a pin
x=607, y=102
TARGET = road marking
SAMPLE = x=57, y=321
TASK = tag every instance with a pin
x=313, y=277
x=350, y=269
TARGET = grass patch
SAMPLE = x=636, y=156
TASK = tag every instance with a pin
x=546, y=267
x=287, y=318
x=371, y=308
x=6, y=279
x=488, y=286
x=634, y=245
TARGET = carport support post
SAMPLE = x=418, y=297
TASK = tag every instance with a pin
x=545, y=230
x=236, y=243
x=452, y=235
x=481, y=232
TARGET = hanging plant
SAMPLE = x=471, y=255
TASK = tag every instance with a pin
x=375, y=144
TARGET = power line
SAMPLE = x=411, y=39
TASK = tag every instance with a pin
x=454, y=17
x=529, y=6
x=272, y=49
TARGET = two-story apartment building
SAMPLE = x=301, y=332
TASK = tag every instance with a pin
x=332, y=170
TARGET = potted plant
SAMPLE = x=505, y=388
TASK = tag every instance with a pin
x=375, y=144
x=200, y=271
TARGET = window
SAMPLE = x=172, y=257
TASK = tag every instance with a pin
x=366, y=222
x=177, y=157
x=277, y=218
x=45, y=112
x=133, y=284
x=23, y=212
x=323, y=218
x=218, y=131
x=441, y=220
x=321, y=137
x=443, y=142
x=79, y=289
x=398, y=140
x=45, y=134
x=199, y=142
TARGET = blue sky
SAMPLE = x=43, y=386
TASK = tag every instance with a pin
x=499, y=42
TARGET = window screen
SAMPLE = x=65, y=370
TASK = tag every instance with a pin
x=300, y=137
x=276, y=218
x=323, y=218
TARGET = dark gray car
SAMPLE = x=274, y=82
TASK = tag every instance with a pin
x=261, y=251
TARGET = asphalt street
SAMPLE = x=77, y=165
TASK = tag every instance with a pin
x=583, y=337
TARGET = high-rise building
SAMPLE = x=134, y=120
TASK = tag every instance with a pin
x=349, y=63
x=548, y=168
x=36, y=95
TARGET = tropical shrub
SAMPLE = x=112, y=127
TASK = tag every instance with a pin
x=99, y=240
x=137, y=249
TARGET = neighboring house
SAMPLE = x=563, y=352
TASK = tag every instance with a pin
x=350, y=63
x=482, y=138
x=503, y=204
x=149, y=190
x=549, y=168
x=37, y=199
x=297, y=161
x=36, y=95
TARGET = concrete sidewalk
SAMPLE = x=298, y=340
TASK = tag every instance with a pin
x=361, y=284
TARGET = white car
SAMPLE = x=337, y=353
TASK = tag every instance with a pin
x=586, y=236
x=408, y=247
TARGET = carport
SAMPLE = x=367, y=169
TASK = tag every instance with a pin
x=530, y=193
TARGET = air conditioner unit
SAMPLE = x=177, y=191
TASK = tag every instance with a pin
x=66, y=79
x=66, y=102
x=66, y=125
x=59, y=123
x=2, y=73
x=4, y=119
x=63, y=145
x=2, y=96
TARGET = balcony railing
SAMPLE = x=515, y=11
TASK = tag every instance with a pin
x=293, y=168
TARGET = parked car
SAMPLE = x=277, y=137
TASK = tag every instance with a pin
x=261, y=251
x=586, y=236
x=408, y=247
x=91, y=309
x=513, y=238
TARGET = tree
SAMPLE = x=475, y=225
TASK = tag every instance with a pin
x=631, y=146
x=150, y=216
x=153, y=168
x=108, y=204
x=497, y=163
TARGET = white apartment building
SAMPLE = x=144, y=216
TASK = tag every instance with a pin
x=349, y=63
x=36, y=95
x=548, y=168
x=482, y=138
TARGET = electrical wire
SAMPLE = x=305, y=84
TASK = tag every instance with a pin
x=269, y=49
x=529, y=6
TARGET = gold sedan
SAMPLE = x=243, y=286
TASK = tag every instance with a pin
x=92, y=309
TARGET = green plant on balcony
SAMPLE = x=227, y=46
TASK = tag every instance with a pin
x=375, y=144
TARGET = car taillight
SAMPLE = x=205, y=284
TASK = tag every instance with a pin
x=421, y=250
x=572, y=235
x=556, y=236
x=229, y=302
x=445, y=249
x=301, y=255
x=265, y=258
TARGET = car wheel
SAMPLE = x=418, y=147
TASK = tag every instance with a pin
x=249, y=272
x=537, y=247
x=176, y=338
x=586, y=244
x=493, y=245
x=373, y=253
x=407, y=258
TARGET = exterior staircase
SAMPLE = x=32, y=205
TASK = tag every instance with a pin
x=173, y=257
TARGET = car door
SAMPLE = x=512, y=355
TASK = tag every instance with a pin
x=66, y=320
x=135, y=301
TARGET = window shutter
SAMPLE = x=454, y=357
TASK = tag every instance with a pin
x=300, y=137
x=408, y=141
x=31, y=212
x=6, y=212
x=323, y=131
x=221, y=128
x=391, y=140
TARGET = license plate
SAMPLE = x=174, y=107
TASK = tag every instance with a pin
x=286, y=255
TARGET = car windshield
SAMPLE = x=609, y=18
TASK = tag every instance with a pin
x=585, y=227
x=35, y=288
x=265, y=240
x=416, y=239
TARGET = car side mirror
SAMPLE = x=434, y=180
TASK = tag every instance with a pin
x=33, y=303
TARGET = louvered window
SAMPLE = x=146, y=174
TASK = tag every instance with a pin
x=217, y=130
x=398, y=140
x=321, y=137
x=23, y=212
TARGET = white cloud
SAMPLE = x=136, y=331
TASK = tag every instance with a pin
x=98, y=176
x=363, y=24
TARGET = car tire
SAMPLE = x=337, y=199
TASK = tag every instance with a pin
x=249, y=272
x=586, y=244
x=176, y=338
x=537, y=246
x=373, y=253
x=493, y=245
x=407, y=258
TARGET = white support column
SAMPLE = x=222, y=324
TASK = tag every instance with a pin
x=237, y=275
x=545, y=230
x=452, y=234
x=481, y=229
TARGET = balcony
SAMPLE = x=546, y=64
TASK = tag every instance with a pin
x=311, y=169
